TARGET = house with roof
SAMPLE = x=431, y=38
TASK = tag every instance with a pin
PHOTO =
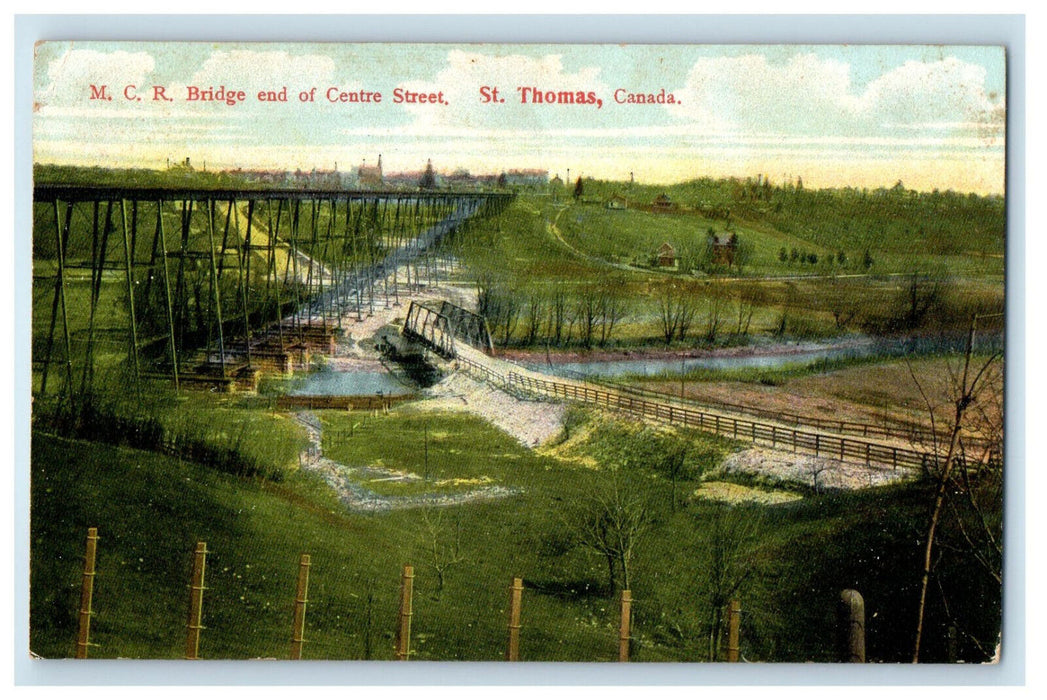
x=666, y=256
x=663, y=203
x=617, y=201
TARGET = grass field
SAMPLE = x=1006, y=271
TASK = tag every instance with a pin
x=538, y=247
x=151, y=510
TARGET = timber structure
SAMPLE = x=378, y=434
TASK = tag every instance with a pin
x=199, y=284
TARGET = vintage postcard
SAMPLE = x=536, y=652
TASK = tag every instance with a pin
x=491, y=352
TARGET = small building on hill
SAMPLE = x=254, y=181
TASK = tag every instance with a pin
x=667, y=255
x=617, y=201
x=723, y=248
x=663, y=203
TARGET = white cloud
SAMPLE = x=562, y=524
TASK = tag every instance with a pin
x=810, y=95
x=804, y=95
x=249, y=70
x=73, y=74
x=927, y=93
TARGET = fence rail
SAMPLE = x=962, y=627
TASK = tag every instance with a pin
x=900, y=430
x=845, y=449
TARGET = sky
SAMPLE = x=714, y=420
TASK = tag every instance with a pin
x=863, y=116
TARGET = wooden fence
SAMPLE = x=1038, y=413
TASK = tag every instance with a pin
x=850, y=614
x=898, y=430
x=839, y=447
x=342, y=403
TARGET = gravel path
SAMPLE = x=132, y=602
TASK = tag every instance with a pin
x=344, y=479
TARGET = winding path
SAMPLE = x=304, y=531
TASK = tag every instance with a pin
x=345, y=480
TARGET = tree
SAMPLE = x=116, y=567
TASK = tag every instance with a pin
x=613, y=308
x=956, y=487
x=610, y=518
x=867, y=260
x=428, y=180
x=578, y=189
x=558, y=315
x=535, y=310
x=442, y=543
x=728, y=536
x=677, y=307
x=674, y=465
x=587, y=311
x=743, y=254
x=748, y=297
x=922, y=294
x=718, y=296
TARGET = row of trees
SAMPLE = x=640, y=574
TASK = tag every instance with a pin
x=794, y=256
x=592, y=314
x=588, y=314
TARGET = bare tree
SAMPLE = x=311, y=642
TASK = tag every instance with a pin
x=677, y=307
x=717, y=302
x=727, y=562
x=611, y=518
x=442, y=544
x=747, y=298
x=588, y=313
x=535, y=311
x=558, y=314
x=613, y=309
x=953, y=473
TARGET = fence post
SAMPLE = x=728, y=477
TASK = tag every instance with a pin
x=623, y=628
x=850, y=626
x=403, y=629
x=87, y=587
x=733, y=623
x=301, y=597
x=513, y=652
x=196, y=602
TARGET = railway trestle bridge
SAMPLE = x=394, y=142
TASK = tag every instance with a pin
x=205, y=284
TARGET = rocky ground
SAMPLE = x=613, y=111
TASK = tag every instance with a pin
x=816, y=472
x=531, y=422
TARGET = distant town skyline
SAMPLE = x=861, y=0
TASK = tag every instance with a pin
x=863, y=116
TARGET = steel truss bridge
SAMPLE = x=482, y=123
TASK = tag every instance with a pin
x=191, y=283
x=439, y=326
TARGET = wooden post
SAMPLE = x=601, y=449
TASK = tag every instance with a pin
x=516, y=592
x=86, y=594
x=300, y=599
x=403, y=629
x=733, y=623
x=623, y=628
x=851, y=627
x=196, y=602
